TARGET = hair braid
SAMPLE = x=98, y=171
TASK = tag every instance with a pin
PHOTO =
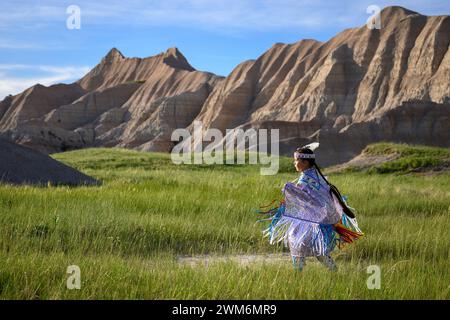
x=334, y=189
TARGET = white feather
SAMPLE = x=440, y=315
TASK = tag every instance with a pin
x=312, y=146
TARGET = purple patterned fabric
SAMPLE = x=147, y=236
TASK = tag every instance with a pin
x=309, y=213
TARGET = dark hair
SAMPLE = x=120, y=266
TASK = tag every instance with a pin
x=333, y=189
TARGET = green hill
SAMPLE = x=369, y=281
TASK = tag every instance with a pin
x=398, y=158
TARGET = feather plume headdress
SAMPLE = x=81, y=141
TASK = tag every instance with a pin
x=312, y=146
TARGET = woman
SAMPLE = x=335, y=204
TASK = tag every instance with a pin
x=313, y=218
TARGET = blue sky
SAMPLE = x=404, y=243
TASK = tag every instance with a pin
x=215, y=35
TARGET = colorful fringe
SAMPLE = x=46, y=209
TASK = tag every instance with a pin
x=274, y=215
x=344, y=232
x=348, y=230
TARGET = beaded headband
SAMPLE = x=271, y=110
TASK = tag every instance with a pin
x=299, y=155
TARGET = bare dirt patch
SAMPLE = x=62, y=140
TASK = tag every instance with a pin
x=241, y=259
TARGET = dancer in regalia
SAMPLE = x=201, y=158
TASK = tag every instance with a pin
x=313, y=218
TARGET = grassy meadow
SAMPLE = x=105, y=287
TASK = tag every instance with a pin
x=127, y=234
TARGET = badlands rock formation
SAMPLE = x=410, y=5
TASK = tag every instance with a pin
x=127, y=102
x=20, y=165
x=359, y=87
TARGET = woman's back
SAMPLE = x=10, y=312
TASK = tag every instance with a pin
x=311, y=218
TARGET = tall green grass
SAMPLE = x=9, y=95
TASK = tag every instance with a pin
x=126, y=234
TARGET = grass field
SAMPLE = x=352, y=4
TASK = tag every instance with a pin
x=126, y=235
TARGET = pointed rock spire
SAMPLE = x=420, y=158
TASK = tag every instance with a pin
x=174, y=58
x=113, y=54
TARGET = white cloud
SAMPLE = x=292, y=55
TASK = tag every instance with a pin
x=8, y=44
x=48, y=75
x=210, y=14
